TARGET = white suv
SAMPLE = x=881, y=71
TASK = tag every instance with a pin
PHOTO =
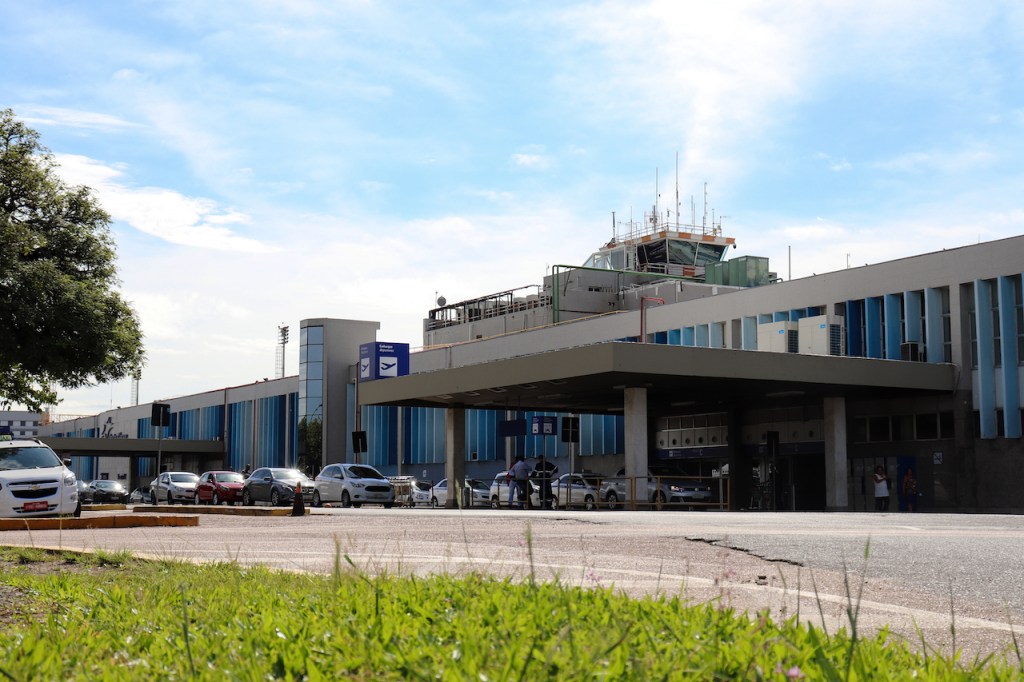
x=34, y=481
x=173, y=486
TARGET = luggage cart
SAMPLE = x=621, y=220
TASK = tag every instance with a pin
x=403, y=490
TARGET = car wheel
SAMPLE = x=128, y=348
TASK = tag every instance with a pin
x=659, y=499
x=196, y=500
x=433, y=502
x=357, y=505
x=346, y=501
x=78, y=510
x=170, y=500
x=216, y=500
x=613, y=500
x=387, y=505
x=152, y=498
x=275, y=498
x=316, y=498
x=588, y=503
x=246, y=498
x=495, y=504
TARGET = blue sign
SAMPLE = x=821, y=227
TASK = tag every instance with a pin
x=544, y=426
x=381, y=360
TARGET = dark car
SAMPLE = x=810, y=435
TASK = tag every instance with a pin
x=84, y=492
x=108, y=492
x=215, y=487
x=276, y=486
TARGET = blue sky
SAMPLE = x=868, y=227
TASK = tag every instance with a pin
x=266, y=162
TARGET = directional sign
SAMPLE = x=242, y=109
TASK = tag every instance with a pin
x=381, y=360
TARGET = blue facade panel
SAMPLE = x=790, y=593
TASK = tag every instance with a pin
x=854, y=328
x=1009, y=360
x=873, y=328
x=893, y=328
x=986, y=359
x=934, y=342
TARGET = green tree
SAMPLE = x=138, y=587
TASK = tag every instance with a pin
x=61, y=321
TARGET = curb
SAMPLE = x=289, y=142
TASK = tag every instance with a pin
x=210, y=509
x=105, y=521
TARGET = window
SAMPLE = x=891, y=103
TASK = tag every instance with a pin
x=926, y=426
x=879, y=430
x=946, y=422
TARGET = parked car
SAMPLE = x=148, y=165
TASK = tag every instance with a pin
x=577, y=490
x=173, y=486
x=659, y=488
x=34, y=481
x=421, y=493
x=352, y=485
x=499, y=491
x=84, y=492
x=139, y=495
x=276, y=486
x=215, y=487
x=103, y=491
x=474, y=493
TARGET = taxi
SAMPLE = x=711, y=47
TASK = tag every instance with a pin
x=34, y=481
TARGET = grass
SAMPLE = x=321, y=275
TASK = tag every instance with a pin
x=165, y=620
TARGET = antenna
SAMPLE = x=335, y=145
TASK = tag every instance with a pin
x=677, y=187
x=704, y=220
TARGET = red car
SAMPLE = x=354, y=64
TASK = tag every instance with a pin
x=215, y=487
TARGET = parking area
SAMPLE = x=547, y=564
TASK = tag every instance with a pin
x=920, y=568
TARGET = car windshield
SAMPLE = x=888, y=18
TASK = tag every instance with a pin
x=363, y=472
x=229, y=477
x=184, y=478
x=106, y=484
x=31, y=457
x=287, y=474
x=478, y=484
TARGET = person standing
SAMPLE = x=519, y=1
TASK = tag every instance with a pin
x=512, y=487
x=881, y=489
x=544, y=471
x=910, y=490
x=521, y=475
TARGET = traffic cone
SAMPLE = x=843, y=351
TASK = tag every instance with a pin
x=298, y=504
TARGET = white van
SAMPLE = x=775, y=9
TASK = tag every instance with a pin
x=34, y=481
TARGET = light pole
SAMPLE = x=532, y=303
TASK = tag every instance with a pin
x=282, y=337
x=643, y=315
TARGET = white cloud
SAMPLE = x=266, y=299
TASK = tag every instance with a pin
x=942, y=161
x=73, y=118
x=162, y=213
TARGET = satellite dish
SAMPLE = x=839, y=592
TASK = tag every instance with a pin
x=441, y=301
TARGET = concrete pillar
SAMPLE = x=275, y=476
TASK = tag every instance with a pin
x=454, y=452
x=635, y=417
x=739, y=480
x=399, y=441
x=837, y=490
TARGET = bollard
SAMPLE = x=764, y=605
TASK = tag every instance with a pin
x=298, y=504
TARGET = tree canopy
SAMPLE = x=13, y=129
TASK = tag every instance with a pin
x=62, y=323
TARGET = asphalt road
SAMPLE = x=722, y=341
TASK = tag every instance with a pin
x=956, y=579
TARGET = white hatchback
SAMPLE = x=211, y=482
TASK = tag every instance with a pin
x=352, y=485
x=34, y=481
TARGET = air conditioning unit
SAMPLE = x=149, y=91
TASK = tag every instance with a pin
x=777, y=337
x=911, y=351
x=822, y=335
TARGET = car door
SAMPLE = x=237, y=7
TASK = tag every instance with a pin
x=259, y=489
x=330, y=484
x=204, y=489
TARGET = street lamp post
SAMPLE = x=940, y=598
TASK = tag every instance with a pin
x=643, y=315
x=282, y=336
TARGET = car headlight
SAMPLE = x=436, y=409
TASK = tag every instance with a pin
x=69, y=479
x=358, y=485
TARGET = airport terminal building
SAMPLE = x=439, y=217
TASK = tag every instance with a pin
x=657, y=355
